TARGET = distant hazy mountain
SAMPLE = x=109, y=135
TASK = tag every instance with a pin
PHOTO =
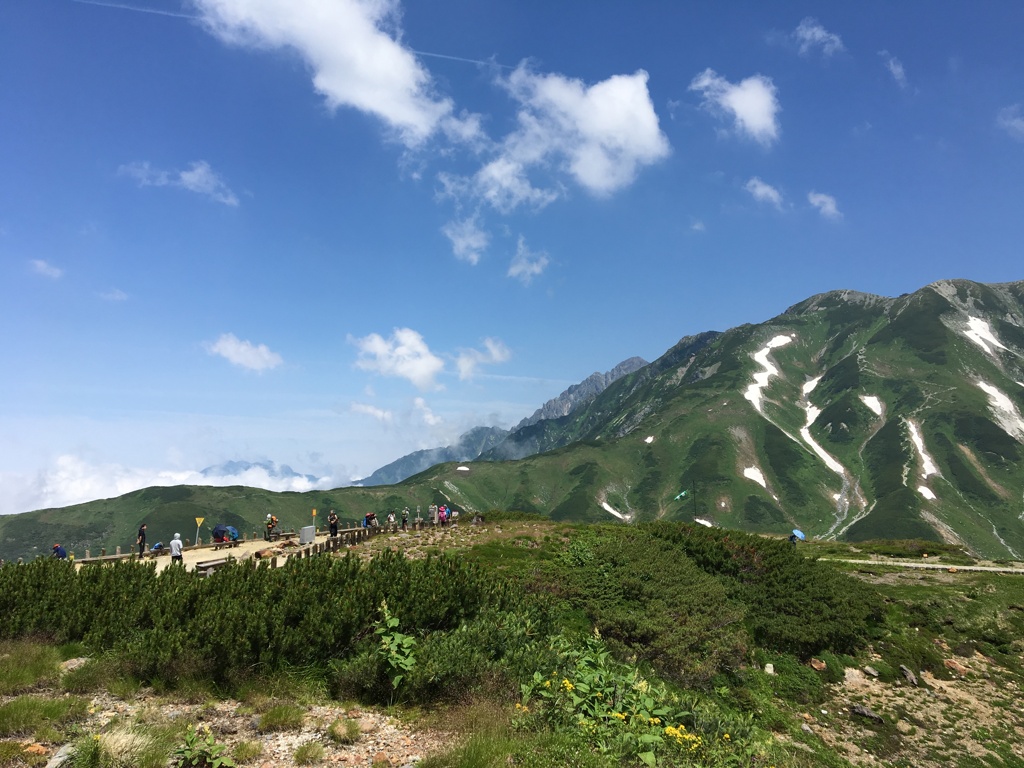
x=233, y=468
x=849, y=416
x=491, y=443
x=469, y=446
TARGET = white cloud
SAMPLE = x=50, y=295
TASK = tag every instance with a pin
x=504, y=184
x=752, y=103
x=601, y=134
x=826, y=205
x=527, y=264
x=1011, y=121
x=468, y=239
x=405, y=355
x=199, y=177
x=698, y=226
x=764, y=193
x=895, y=67
x=354, y=50
x=46, y=269
x=381, y=415
x=469, y=360
x=73, y=480
x=244, y=353
x=114, y=294
x=428, y=416
x=809, y=34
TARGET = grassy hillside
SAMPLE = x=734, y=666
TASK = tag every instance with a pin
x=850, y=416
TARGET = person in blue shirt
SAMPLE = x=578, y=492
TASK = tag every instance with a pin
x=59, y=552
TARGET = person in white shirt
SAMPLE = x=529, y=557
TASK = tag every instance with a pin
x=176, y=547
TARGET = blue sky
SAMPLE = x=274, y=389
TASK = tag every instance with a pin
x=326, y=233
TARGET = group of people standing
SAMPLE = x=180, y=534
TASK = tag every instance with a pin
x=176, y=545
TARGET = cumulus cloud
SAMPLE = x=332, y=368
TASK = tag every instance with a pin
x=244, y=354
x=763, y=192
x=602, y=134
x=895, y=67
x=826, y=205
x=752, y=103
x=405, y=355
x=354, y=51
x=468, y=240
x=73, y=480
x=199, y=177
x=810, y=35
x=469, y=360
x=1011, y=121
x=46, y=269
x=428, y=416
x=381, y=415
x=527, y=264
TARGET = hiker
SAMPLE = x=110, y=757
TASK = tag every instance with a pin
x=141, y=541
x=391, y=520
x=59, y=552
x=332, y=521
x=176, y=547
x=454, y=517
x=405, y=519
x=271, y=525
x=442, y=515
x=793, y=539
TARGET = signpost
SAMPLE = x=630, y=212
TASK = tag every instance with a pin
x=199, y=521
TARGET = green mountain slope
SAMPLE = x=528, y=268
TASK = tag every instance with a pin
x=849, y=415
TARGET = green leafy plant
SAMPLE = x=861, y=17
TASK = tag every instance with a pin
x=309, y=753
x=201, y=750
x=397, y=650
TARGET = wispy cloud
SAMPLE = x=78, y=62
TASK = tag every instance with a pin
x=469, y=360
x=199, y=177
x=810, y=35
x=136, y=8
x=381, y=415
x=895, y=67
x=46, y=269
x=405, y=355
x=527, y=264
x=468, y=240
x=114, y=294
x=244, y=354
x=429, y=418
x=1011, y=121
x=698, y=226
x=354, y=51
x=751, y=103
x=826, y=205
x=763, y=192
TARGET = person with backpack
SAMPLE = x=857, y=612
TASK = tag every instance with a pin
x=59, y=552
x=271, y=525
x=405, y=519
x=332, y=521
x=141, y=541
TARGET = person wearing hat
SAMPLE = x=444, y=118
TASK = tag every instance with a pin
x=332, y=521
x=271, y=525
x=59, y=552
x=176, y=547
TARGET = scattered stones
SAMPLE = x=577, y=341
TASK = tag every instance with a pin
x=73, y=664
x=871, y=671
x=911, y=677
x=818, y=665
x=769, y=669
x=955, y=666
x=862, y=711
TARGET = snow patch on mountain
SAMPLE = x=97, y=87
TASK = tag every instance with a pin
x=925, y=491
x=753, y=393
x=609, y=508
x=755, y=474
x=1004, y=410
x=980, y=333
x=810, y=385
x=649, y=439
x=928, y=467
x=873, y=403
x=805, y=432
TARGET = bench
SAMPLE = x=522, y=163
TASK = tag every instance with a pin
x=278, y=535
x=225, y=544
x=206, y=567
